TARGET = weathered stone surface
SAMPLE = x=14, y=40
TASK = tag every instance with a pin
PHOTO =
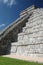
x=27, y=50
x=30, y=41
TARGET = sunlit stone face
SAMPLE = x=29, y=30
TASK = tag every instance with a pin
x=30, y=42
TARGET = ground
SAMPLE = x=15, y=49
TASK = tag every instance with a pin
x=10, y=61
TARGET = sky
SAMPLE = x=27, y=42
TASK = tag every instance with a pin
x=10, y=10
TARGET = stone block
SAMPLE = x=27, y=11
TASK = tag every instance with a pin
x=20, y=37
x=13, y=49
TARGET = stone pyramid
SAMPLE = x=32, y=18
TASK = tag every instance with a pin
x=30, y=40
x=24, y=37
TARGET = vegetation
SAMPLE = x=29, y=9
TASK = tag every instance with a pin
x=10, y=61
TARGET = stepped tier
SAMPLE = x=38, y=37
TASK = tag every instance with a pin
x=30, y=40
x=28, y=50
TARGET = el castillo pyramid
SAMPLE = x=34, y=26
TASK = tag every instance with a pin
x=24, y=36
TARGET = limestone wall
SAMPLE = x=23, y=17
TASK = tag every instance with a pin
x=30, y=41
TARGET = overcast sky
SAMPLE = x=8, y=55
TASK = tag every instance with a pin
x=10, y=9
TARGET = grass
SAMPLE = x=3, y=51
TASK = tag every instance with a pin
x=10, y=61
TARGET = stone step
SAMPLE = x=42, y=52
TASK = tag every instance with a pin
x=26, y=39
x=31, y=41
x=14, y=43
x=35, y=23
x=34, y=18
x=32, y=25
x=30, y=38
x=30, y=49
x=20, y=34
x=33, y=29
x=36, y=34
x=19, y=43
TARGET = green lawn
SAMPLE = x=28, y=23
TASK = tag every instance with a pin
x=9, y=61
